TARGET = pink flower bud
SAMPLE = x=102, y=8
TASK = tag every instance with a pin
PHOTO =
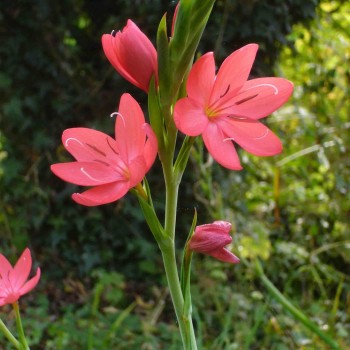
x=132, y=54
x=13, y=280
x=211, y=239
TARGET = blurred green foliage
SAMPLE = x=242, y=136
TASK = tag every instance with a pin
x=291, y=211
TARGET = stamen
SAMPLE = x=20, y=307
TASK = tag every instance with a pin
x=269, y=85
x=239, y=118
x=96, y=149
x=245, y=99
x=110, y=146
x=89, y=176
x=74, y=139
x=227, y=90
x=102, y=162
x=113, y=33
x=263, y=136
x=118, y=114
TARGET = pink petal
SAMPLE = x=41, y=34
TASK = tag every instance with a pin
x=11, y=297
x=189, y=117
x=88, y=144
x=88, y=173
x=102, y=194
x=232, y=74
x=219, y=227
x=110, y=51
x=151, y=147
x=108, y=48
x=21, y=271
x=225, y=255
x=31, y=283
x=136, y=56
x=221, y=149
x=5, y=267
x=129, y=132
x=260, y=97
x=107, y=45
x=206, y=242
x=223, y=226
x=137, y=168
x=201, y=79
x=251, y=135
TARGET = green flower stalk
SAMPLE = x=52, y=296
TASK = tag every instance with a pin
x=7, y=333
x=22, y=338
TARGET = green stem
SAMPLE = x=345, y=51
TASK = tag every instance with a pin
x=169, y=259
x=167, y=247
x=300, y=316
x=9, y=335
x=22, y=338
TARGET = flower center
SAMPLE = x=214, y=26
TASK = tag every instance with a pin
x=210, y=113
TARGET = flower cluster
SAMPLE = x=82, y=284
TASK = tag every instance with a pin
x=224, y=108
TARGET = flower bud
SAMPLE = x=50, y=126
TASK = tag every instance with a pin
x=132, y=54
x=211, y=239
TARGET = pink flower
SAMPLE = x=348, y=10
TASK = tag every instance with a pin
x=226, y=107
x=111, y=166
x=13, y=280
x=132, y=54
x=211, y=239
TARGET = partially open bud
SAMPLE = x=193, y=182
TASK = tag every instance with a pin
x=132, y=54
x=211, y=239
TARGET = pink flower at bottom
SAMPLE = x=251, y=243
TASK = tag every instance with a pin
x=211, y=239
x=226, y=107
x=13, y=280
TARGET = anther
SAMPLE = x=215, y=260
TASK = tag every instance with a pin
x=96, y=149
x=227, y=90
x=245, y=99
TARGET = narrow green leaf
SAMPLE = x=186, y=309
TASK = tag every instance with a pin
x=190, y=24
x=155, y=114
x=182, y=158
x=164, y=69
x=186, y=272
x=150, y=214
x=182, y=25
